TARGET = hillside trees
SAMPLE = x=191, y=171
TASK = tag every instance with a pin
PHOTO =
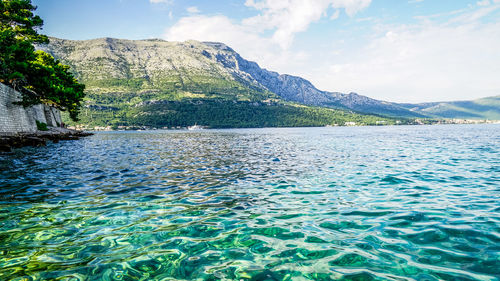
x=37, y=75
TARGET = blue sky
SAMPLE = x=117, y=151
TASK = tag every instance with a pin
x=397, y=50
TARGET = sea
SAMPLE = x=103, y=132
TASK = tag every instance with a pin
x=341, y=203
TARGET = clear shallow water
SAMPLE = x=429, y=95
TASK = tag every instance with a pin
x=367, y=203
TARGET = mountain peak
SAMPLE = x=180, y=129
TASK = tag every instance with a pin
x=218, y=45
x=157, y=65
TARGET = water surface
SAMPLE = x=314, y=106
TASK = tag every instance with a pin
x=364, y=203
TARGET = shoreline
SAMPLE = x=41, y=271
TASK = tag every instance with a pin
x=185, y=128
x=10, y=141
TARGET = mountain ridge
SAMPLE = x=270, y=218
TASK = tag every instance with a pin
x=298, y=89
x=171, y=84
x=157, y=69
x=289, y=87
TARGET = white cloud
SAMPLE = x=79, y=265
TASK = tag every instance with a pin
x=284, y=18
x=440, y=57
x=335, y=15
x=161, y=1
x=213, y=28
x=423, y=62
x=244, y=39
x=288, y=17
x=193, y=10
x=483, y=3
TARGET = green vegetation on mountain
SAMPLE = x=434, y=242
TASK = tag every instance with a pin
x=37, y=75
x=485, y=108
x=220, y=113
x=169, y=84
x=217, y=104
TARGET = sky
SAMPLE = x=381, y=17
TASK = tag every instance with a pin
x=394, y=50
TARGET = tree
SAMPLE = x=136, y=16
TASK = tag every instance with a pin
x=54, y=84
x=18, y=33
x=37, y=75
x=18, y=16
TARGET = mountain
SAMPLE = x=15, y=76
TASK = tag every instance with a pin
x=297, y=89
x=485, y=108
x=168, y=83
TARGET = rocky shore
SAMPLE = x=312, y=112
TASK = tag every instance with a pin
x=8, y=142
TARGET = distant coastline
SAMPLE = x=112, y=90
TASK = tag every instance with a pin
x=181, y=128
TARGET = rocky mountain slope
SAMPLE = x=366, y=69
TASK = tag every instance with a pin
x=113, y=65
x=297, y=89
x=147, y=72
x=159, y=83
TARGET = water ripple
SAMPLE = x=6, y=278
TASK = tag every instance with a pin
x=381, y=203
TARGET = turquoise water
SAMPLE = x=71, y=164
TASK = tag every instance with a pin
x=364, y=203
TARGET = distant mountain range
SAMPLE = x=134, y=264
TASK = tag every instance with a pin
x=485, y=108
x=130, y=74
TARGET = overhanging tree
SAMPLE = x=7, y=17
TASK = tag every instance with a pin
x=37, y=75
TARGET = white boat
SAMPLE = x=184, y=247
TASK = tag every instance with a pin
x=195, y=127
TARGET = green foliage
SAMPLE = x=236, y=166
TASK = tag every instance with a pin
x=486, y=108
x=37, y=75
x=132, y=84
x=479, y=109
x=18, y=16
x=14, y=57
x=55, y=84
x=41, y=126
x=220, y=113
x=228, y=114
x=18, y=32
x=208, y=101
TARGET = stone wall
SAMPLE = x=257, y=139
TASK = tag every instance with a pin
x=17, y=119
